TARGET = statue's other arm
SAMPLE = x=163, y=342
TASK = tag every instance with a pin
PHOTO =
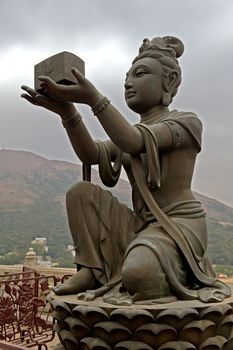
x=129, y=139
x=85, y=147
x=80, y=138
x=82, y=142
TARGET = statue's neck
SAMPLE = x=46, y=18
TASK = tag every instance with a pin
x=154, y=114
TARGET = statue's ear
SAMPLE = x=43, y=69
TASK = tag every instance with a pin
x=169, y=83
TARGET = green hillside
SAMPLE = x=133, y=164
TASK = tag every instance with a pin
x=32, y=204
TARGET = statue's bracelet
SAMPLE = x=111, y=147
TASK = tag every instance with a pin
x=100, y=105
x=70, y=122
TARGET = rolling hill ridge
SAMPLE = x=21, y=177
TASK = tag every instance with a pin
x=32, y=204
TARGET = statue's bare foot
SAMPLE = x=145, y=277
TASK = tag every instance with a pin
x=80, y=282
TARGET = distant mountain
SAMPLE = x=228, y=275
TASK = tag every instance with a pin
x=26, y=177
x=216, y=210
x=32, y=204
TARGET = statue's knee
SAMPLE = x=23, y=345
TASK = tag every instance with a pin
x=79, y=189
x=135, y=268
x=140, y=271
x=130, y=278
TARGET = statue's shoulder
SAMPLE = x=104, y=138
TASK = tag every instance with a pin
x=189, y=121
x=181, y=115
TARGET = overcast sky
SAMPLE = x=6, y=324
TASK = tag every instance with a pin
x=106, y=35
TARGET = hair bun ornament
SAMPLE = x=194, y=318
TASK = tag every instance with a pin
x=145, y=45
x=175, y=44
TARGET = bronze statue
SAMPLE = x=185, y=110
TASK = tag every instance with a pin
x=155, y=252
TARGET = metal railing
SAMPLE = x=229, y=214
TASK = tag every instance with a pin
x=25, y=315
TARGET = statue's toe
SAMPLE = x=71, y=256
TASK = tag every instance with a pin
x=58, y=290
x=86, y=296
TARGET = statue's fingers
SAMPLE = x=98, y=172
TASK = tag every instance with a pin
x=46, y=80
x=52, y=96
x=30, y=99
x=29, y=90
x=77, y=74
x=52, y=89
x=49, y=85
x=41, y=99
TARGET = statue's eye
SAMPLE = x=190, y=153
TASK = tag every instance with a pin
x=140, y=74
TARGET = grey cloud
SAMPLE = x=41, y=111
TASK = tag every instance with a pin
x=50, y=22
x=79, y=25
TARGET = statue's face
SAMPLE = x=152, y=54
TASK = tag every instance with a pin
x=143, y=85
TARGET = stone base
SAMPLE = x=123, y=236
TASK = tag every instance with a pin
x=180, y=325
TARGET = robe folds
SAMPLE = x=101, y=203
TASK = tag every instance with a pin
x=105, y=231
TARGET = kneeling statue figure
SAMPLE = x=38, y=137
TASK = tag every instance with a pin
x=155, y=252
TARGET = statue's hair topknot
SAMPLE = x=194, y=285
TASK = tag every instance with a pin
x=167, y=46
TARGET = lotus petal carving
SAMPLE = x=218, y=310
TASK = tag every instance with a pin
x=197, y=332
x=213, y=343
x=90, y=315
x=177, y=318
x=132, y=318
x=132, y=345
x=90, y=343
x=112, y=332
x=155, y=334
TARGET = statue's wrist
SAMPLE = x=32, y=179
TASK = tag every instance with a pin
x=72, y=120
x=68, y=113
x=100, y=105
x=95, y=98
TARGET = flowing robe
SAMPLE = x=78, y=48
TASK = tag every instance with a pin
x=106, y=231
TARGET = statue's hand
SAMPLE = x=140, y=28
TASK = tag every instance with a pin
x=60, y=107
x=81, y=92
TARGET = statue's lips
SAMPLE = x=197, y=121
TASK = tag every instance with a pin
x=130, y=94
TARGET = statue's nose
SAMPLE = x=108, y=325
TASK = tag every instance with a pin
x=128, y=84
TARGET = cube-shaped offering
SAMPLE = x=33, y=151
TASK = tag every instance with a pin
x=58, y=67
